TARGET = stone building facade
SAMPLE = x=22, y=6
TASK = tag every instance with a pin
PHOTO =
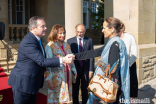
x=139, y=17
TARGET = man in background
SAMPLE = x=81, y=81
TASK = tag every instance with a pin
x=28, y=75
x=84, y=68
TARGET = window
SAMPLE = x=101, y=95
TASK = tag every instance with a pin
x=10, y=11
x=85, y=14
x=94, y=7
x=94, y=10
x=20, y=12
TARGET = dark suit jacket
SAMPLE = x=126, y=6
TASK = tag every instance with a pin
x=87, y=45
x=28, y=74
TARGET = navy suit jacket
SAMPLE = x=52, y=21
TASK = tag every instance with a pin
x=28, y=74
x=87, y=45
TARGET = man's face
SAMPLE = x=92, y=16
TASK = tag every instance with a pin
x=41, y=28
x=80, y=31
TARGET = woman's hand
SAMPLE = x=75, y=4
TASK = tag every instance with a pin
x=51, y=86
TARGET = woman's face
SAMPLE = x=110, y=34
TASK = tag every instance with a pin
x=107, y=32
x=61, y=35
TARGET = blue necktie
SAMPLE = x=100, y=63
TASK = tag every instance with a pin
x=80, y=50
x=41, y=46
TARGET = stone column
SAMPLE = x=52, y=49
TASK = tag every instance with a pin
x=4, y=16
x=73, y=16
x=139, y=18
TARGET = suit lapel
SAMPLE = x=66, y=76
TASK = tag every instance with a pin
x=84, y=43
x=76, y=44
x=37, y=42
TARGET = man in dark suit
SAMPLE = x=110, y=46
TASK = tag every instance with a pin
x=84, y=68
x=28, y=75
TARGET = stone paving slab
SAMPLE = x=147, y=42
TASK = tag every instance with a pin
x=148, y=91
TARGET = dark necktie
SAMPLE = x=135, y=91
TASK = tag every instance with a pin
x=41, y=46
x=80, y=50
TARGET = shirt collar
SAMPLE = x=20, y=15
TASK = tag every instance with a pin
x=81, y=38
x=37, y=37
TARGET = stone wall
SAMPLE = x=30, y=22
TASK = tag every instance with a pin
x=148, y=67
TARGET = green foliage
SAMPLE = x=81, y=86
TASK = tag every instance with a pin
x=98, y=17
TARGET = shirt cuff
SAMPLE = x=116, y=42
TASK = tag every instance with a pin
x=91, y=71
x=61, y=62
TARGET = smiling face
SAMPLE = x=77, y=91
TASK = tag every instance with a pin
x=41, y=28
x=61, y=35
x=107, y=32
x=80, y=31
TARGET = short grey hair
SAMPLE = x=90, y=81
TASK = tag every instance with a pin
x=80, y=24
x=33, y=22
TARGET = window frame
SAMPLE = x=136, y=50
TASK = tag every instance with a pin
x=10, y=11
x=87, y=19
x=23, y=11
x=95, y=8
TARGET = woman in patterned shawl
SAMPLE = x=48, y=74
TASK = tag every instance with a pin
x=58, y=78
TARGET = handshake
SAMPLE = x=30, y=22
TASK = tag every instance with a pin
x=69, y=59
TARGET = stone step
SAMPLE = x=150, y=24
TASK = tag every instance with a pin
x=8, y=41
x=10, y=68
x=2, y=60
x=16, y=45
x=8, y=74
x=13, y=50
x=3, y=64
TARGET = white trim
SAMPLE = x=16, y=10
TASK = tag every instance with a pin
x=87, y=19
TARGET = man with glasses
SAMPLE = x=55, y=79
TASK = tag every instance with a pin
x=84, y=68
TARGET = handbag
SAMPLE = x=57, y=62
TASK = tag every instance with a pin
x=103, y=87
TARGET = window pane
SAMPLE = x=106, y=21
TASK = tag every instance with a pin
x=21, y=8
x=17, y=7
x=17, y=2
x=9, y=16
x=84, y=18
x=21, y=2
x=8, y=7
x=19, y=17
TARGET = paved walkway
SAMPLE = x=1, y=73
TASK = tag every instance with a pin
x=146, y=92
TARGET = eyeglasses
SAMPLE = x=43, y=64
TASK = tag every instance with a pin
x=81, y=32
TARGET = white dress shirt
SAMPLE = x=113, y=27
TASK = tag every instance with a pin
x=131, y=46
x=61, y=60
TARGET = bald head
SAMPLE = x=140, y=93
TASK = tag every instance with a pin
x=80, y=30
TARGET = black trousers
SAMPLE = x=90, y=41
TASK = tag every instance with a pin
x=84, y=84
x=23, y=98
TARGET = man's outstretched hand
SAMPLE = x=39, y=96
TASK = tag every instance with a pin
x=69, y=59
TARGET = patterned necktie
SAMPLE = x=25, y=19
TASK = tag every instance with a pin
x=41, y=46
x=80, y=50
